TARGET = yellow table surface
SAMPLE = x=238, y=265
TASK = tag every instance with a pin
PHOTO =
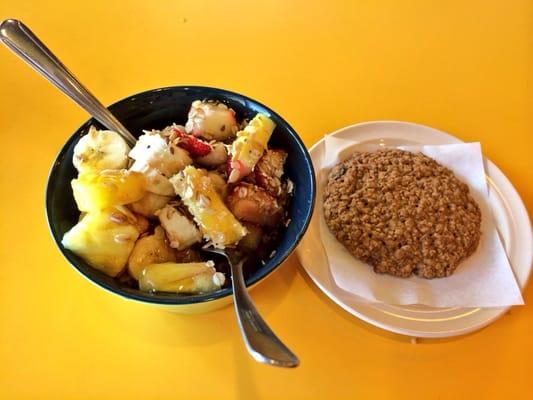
x=464, y=67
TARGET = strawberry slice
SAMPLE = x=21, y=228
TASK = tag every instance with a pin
x=195, y=146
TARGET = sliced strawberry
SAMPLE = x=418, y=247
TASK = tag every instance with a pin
x=195, y=146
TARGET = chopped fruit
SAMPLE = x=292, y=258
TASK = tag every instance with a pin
x=191, y=278
x=269, y=170
x=219, y=183
x=252, y=239
x=249, y=146
x=199, y=194
x=156, y=182
x=153, y=151
x=218, y=156
x=108, y=188
x=181, y=231
x=253, y=204
x=211, y=120
x=195, y=146
x=99, y=150
x=104, y=239
x=150, y=249
x=150, y=203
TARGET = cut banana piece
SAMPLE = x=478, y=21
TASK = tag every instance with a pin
x=191, y=278
x=153, y=151
x=99, y=150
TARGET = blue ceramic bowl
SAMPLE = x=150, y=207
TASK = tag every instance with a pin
x=156, y=109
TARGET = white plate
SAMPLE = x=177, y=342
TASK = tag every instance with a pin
x=511, y=220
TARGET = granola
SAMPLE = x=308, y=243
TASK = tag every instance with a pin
x=402, y=213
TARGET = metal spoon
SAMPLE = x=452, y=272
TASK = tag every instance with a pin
x=261, y=342
x=19, y=38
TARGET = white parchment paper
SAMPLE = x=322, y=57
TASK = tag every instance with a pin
x=485, y=279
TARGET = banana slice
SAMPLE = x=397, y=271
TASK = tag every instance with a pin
x=153, y=151
x=99, y=150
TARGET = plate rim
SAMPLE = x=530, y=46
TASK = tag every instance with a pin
x=493, y=313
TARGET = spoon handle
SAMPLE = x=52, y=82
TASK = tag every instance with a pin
x=262, y=343
x=19, y=38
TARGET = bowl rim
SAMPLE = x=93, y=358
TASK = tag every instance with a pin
x=178, y=300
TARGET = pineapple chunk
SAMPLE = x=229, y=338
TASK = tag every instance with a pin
x=104, y=239
x=200, y=196
x=249, y=146
x=191, y=278
x=108, y=188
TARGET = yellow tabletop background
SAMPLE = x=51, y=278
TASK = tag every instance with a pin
x=464, y=67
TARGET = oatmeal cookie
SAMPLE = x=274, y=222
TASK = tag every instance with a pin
x=402, y=213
